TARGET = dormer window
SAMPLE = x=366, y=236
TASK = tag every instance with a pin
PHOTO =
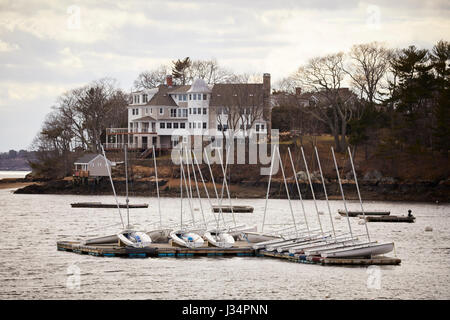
x=195, y=96
x=144, y=98
x=204, y=96
x=184, y=97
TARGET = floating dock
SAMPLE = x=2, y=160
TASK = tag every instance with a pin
x=390, y=219
x=236, y=209
x=367, y=213
x=241, y=249
x=301, y=258
x=107, y=205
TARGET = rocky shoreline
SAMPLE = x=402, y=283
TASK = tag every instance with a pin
x=371, y=189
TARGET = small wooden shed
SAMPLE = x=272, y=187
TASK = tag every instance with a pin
x=92, y=165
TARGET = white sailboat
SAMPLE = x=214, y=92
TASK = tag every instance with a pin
x=354, y=248
x=182, y=236
x=217, y=237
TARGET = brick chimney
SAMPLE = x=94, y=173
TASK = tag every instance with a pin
x=169, y=80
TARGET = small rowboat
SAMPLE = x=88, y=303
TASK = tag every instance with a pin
x=186, y=239
x=235, y=209
x=390, y=219
x=106, y=205
x=367, y=213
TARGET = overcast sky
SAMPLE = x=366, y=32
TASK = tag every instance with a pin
x=47, y=47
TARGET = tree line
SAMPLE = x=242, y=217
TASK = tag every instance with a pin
x=396, y=99
x=371, y=95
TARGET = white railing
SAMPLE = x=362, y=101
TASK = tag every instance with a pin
x=116, y=130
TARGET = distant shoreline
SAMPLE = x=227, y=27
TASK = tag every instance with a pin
x=421, y=191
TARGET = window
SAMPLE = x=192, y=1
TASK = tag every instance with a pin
x=195, y=96
x=173, y=113
x=184, y=97
x=199, y=96
x=219, y=127
x=190, y=111
x=204, y=110
x=144, y=98
x=185, y=113
x=162, y=125
x=262, y=127
x=182, y=125
x=179, y=113
x=151, y=110
x=175, y=125
x=204, y=97
x=199, y=110
x=195, y=110
x=137, y=112
x=169, y=125
x=190, y=125
x=180, y=97
x=161, y=110
x=204, y=125
x=190, y=96
x=138, y=99
x=257, y=127
x=194, y=124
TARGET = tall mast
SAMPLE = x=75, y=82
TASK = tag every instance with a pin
x=342, y=193
x=112, y=185
x=126, y=184
x=359, y=194
x=157, y=187
x=325, y=191
x=268, y=188
x=215, y=188
x=206, y=189
x=299, y=192
x=287, y=191
x=196, y=187
x=226, y=185
x=312, y=190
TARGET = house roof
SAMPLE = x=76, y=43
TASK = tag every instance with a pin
x=87, y=158
x=146, y=118
x=162, y=97
x=179, y=89
x=199, y=86
x=242, y=94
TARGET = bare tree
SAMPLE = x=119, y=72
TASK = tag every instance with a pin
x=368, y=67
x=151, y=78
x=323, y=76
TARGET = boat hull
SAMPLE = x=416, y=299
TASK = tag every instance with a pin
x=187, y=239
x=219, y=239
x=362, y=251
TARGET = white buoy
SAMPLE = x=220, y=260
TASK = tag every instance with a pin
x=428, y=229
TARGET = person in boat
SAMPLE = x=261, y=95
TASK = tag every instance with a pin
x=409, y=214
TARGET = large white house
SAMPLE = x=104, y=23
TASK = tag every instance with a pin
x=221, y=109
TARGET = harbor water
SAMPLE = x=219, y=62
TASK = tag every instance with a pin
x=32, y=268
